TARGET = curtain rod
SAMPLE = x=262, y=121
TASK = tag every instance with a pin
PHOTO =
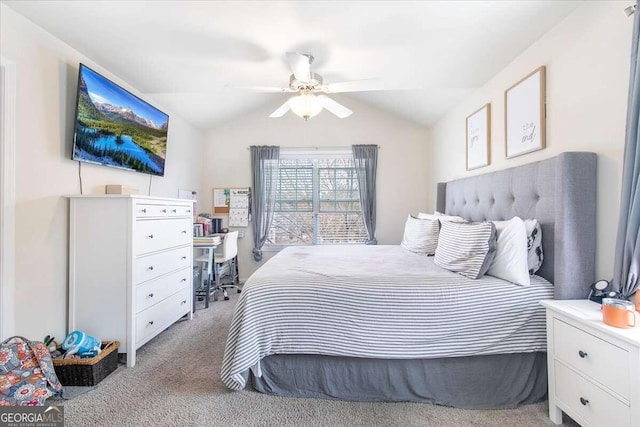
x=344, y=147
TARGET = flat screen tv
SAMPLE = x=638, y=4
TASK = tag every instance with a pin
x=115, y=128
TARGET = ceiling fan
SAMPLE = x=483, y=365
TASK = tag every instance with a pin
x=307, y=84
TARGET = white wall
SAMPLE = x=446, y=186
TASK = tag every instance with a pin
x=587, y=60
x=47, y=72
x=402, y=176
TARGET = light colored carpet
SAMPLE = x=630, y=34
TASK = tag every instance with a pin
x=176, y=381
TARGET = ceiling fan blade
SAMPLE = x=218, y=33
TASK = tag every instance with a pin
x=281, y=110
x=300, y=64
x=334, y=107
x=363, y=85
x=261, y=89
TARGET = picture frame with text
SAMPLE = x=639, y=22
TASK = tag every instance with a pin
x=524, y=114
x=478, y=138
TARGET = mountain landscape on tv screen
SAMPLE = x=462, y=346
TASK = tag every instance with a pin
x=110, y=133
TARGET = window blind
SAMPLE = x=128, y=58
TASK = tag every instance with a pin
x=317, y=201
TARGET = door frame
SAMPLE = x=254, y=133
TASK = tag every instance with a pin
x=7, y=196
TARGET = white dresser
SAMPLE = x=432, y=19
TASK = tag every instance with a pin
x=594, y=369
x=130, y=267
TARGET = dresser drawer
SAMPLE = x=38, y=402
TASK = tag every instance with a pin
x=156, y=210
x=151, y=210
x=151, y=266
x=151, y=293
x=596, y=358
x=597, y=407
x=153, y=320
x=180, y=210
x=156, y=235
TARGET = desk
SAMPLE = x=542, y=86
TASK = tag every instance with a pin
x=209, y=258
x=210, y=248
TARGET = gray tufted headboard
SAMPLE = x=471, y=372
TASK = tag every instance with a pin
x=559, y=192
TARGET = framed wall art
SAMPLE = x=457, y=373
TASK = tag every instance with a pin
x=478, y=138
x=524, y=114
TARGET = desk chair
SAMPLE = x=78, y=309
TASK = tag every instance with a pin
x=225, y=265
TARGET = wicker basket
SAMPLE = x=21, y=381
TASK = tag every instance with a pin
x=89, y=371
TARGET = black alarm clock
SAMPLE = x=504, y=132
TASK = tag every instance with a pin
x=603, y=289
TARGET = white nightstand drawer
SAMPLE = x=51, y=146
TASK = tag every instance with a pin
x=155, y=235
x=155, y=291
x=152, y=266
x=596, y=358
x=589, y=404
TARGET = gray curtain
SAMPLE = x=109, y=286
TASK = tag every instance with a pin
x=264, y=170
x=365, y=158
x=627, y=262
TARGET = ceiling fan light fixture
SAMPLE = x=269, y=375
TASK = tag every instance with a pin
x=305, y=105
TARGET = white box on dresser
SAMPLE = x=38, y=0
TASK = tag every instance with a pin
x=594, y=369
x=130, y=266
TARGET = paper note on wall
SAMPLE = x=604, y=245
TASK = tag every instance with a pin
x=220, y=198
x=239, y=208
x=238, y=217
x=240, y=201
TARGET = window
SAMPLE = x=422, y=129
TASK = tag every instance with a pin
x=317, y=200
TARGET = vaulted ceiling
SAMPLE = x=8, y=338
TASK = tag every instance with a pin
x=424, y=56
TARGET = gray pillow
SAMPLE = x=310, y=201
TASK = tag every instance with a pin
x=534, y=245
x=421, y=235
x=466, y=248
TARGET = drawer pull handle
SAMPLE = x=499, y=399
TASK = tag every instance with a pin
x=184, y=257
x=164, y=211
x=184, y=231
x=183, y=302
x=584, y=401
x=184, y=280
x=143, y=211
x=582, y=354
x=150, y=323
x=174, y=210
x=150, y=267
x=188, y=210
x=150, y=295
x=150, y=236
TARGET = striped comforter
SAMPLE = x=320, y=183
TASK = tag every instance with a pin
x=377, y=302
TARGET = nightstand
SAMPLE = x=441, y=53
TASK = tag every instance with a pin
x=594, y=369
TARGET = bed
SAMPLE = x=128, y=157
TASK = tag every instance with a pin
x=373, y=323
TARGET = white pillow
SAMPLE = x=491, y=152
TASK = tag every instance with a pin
x=421, y=235
x=510, y=262
x=441, y=217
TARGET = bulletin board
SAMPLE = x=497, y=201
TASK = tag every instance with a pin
x=221, y=200
x=235, y=202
